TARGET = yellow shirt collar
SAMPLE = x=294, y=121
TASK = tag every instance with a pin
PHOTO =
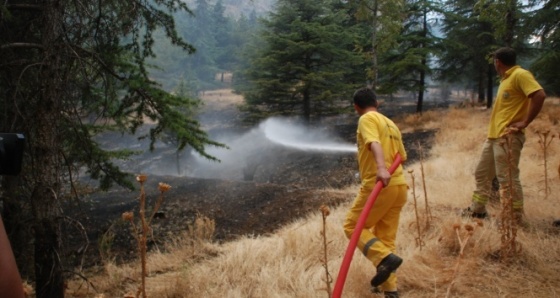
x=510, y=71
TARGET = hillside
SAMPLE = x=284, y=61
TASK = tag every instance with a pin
x=285, y=258
x=257, y=187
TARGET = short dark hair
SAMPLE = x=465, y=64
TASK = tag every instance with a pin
x=365, y=97
x=506, y=55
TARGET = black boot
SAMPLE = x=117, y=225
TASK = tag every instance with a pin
x=394, y=294
x=389, y=264
x=468, y=212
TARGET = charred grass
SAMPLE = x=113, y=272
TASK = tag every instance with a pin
x=289, y=262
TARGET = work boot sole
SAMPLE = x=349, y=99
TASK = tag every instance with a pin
x=385, y=268
x=469, y=213
x=391, y=294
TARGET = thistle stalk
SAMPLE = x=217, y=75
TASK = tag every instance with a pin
x=509, y=223
x=328, y=279
x=428, y=211
x=544, y=142
x=141, y=234
x=419, y=241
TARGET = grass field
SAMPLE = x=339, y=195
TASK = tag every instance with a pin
x=291, y=263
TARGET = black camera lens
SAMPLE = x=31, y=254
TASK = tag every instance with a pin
x=11, y=153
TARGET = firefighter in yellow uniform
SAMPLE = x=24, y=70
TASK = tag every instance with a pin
x=519, y=100
x=379, y=139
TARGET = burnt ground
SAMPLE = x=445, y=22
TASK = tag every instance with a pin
x=272, y=189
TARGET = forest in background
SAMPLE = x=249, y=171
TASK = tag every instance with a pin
x=219, y=31
x=306, y=57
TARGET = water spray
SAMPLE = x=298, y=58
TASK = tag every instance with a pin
x=290, y=135
x=341, y=278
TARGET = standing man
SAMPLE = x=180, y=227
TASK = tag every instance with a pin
x=379, y=139
x=519, y=100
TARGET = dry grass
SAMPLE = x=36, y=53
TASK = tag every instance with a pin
x=221, y=98
x=288, y=263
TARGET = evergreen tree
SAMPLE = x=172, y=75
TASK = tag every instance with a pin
x=222, y=31
x=218, y=40
x=384, y=23
x=508, y=20
x=249, y=47
x=408, y=66
x=465, y=49
x=544, y=24
x=242, y=35
x=305, y=62
x=200, y=33
x=67, y=73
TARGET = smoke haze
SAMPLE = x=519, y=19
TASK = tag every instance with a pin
x=250, y=154
x=289, y=134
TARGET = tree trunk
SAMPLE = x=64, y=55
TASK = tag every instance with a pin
x=44, y=199
x=490, y=89
x=511, y=21
x=179, y=165
x=421, y=89
x=481, y=84
x=424, y=62
x=374, y=67
x=306, y=106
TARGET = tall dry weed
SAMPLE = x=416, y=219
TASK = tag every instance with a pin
x=421, y=228
x=202, y=229
x=325, y=211
x=464, y=233
x=545, y=138
x=141, y=234
x=105, y=244
x=428, y=211
x=509, y=218
x=419, y=240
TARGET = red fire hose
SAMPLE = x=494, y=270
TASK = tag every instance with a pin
x=358, y=230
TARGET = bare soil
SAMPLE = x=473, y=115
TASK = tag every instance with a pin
x=287, y=185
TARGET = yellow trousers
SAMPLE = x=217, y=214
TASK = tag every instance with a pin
x=377, y=239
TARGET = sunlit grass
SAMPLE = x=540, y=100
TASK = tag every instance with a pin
x=289, y=263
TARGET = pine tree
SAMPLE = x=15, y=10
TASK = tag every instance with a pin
x=70, y=70
x=383, y=21
x=507, y=19
x=408, y=66
x=304, y=63
x=543, y=23
x=466, y=47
